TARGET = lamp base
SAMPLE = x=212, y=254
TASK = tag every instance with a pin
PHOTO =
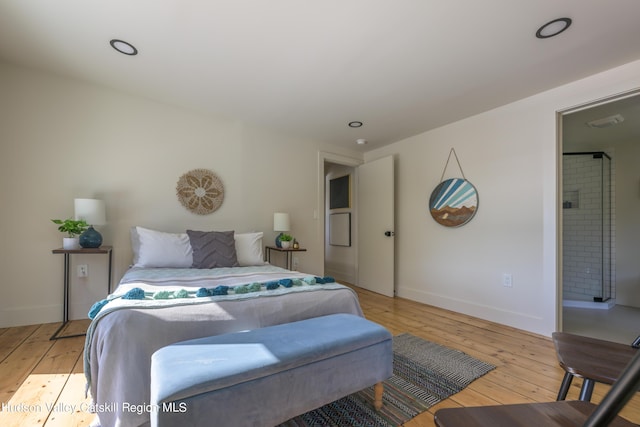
x=90, y=238
x=278, y=243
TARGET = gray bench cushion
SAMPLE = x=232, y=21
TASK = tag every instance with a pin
x=207, y=364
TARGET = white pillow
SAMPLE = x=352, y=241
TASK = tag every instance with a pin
x=158, y=249
x=249, y=248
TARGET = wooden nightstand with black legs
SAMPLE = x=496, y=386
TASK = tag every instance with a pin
x=288, y=252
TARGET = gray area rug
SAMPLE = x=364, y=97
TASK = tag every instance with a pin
x=424, y=373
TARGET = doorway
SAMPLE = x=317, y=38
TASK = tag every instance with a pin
x=601, y=136
x=369, y=248
x=340, y=224
x=330, y=166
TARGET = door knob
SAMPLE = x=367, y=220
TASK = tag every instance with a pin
x=389, y=233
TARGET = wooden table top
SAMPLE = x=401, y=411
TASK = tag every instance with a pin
x=292, y=249
x=599, y=360
x=100, y=250
x=559, y=414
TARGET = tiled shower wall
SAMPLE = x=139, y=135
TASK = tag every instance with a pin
x=588, y=227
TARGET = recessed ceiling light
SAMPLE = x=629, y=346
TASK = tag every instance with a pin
x=123, y=47
x=355, y=124
x=361, y=141
x=553, y=28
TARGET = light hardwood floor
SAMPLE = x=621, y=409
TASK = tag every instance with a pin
x=37, y=374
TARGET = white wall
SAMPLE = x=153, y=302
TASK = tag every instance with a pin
x=62, y=139
x=510, y=155
x=628, y=223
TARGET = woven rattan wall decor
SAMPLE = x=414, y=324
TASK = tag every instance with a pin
x=200, y=191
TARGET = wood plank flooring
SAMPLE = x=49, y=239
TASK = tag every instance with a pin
x=42, y=384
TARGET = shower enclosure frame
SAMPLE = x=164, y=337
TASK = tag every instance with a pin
x=606, y=227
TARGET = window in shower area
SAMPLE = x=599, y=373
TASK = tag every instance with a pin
x=588, y=229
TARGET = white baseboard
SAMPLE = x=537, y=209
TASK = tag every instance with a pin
x=21, y=316
x=340, y=276
x=528, y=322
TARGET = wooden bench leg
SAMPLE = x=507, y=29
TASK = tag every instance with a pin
x=564, y=387
x=378, y=390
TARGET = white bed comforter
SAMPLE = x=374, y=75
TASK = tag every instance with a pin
x=124, y=335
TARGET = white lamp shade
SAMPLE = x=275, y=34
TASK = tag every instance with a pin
x=91, y=210
x=281, y=222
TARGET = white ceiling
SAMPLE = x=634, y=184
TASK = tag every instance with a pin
x=579, y=136
x=308, y=68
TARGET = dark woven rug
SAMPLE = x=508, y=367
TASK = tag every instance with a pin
x=424, y=373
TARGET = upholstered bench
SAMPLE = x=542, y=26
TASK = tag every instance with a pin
x=266, y=376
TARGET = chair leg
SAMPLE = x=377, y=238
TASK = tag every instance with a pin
x=587, y=390
x=564, y=386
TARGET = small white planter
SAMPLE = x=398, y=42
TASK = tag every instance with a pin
x=70, y=243
x=285, y=245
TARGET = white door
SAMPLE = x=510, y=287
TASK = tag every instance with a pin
x=376, y=226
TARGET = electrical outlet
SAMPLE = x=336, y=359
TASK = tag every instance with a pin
x=83, y=270
x=507, y=280
x=295, y=262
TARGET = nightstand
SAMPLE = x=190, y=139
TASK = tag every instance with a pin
x=289, y=253
x=102, y=250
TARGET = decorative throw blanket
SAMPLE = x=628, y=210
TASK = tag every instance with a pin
x=139, y=299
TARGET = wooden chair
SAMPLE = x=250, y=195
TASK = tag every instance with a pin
x=560, y=413
x=591, y=359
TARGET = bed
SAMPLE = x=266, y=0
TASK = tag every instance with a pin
x=161, y=300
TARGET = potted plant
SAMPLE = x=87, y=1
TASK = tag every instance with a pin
x=73, y=228
x=285, y=241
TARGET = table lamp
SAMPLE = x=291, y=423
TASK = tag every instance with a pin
x=93, y=212
x=280, y=223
